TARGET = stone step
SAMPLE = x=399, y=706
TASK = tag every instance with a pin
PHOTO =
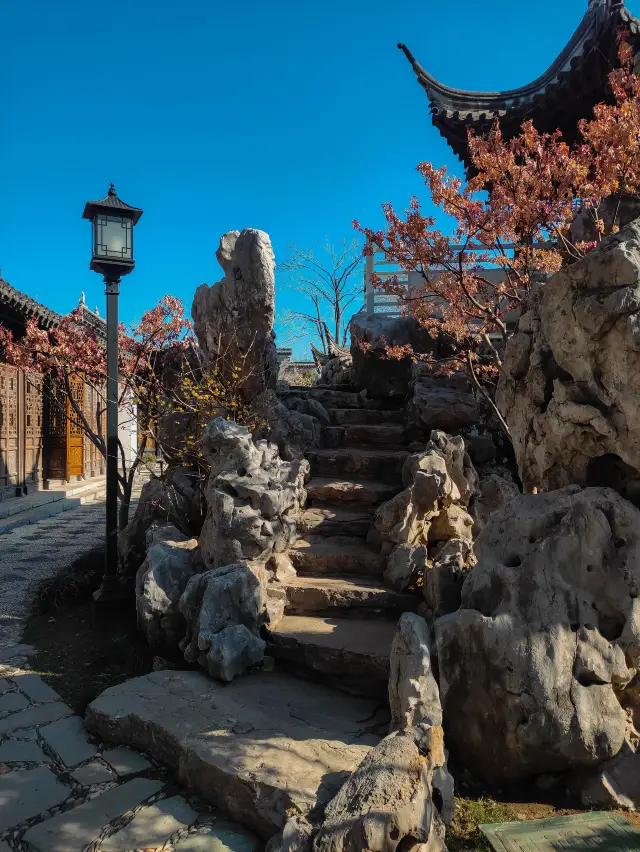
x=364, y=416
x=318, y=594
x=330, y=521
x=335, y=490
x=390, y=436
x=382, y=465
x=259, y=748
x=332, y=398
x=350, y=654
x=337, y=555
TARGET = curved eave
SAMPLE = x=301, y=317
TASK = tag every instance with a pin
x=601, y=19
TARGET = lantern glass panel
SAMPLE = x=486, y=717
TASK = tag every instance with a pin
x=113, y=237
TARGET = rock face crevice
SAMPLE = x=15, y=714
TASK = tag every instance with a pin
x=571, y=375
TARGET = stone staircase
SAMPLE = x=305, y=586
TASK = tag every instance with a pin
x=340, y=617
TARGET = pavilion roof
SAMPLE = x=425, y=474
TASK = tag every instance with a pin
x=567, y=92
x=18, y=304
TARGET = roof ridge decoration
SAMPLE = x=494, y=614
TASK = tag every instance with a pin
x=581, y=68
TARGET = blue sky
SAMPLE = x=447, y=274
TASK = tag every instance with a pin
x=292, y=117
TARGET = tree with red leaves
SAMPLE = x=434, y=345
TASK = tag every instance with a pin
x=514, y=217
x=72, y=350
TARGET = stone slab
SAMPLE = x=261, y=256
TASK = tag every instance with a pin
x=152, y=826
x=5, y=686
x=257, y=748
x=125, y=761
x=25, y=793
x=93, y=773
x=17, y=751
x=220, y=837
x=41, y=715
x=72, y=830
x=69, y=739
x=10, y=702
x=37, y=690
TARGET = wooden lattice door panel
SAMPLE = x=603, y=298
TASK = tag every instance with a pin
x=55, y=430
x=93, y=459
x=9, y=430
x=33, y=428
x=75, y=432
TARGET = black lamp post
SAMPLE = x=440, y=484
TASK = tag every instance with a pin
x=112, y=257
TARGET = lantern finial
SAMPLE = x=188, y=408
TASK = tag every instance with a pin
x=112, y=190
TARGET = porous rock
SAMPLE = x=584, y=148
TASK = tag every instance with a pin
x=443, y=577
x=571, y=376
x=405, y=564
x=414, y=697
x=160, y=582
x=445, y=403
x=532, y=665
x=224, y=609
x=253, y=496
x=494, y=492
x=614, y=784
x=439, y=484
x=387, y=803
x=233, y=320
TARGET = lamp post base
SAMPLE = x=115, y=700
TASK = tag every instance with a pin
x=111, y=589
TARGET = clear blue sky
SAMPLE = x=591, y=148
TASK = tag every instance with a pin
x=292, y=117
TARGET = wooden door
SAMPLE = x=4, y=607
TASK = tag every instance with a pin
x=9, y=431
x=75, y=434
x=32, y=399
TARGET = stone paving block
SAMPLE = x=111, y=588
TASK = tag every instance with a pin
x=125, y=761
x=93, y=773
x=70, y=740
x=152, y=826
x=26, y=734
x=37, y=690
x=221, y=837
x=12, y=701
x=41, y=715
x=14, y=751
x=25, y=793
x=4, y=847
x=5, y=685
x=72, y=830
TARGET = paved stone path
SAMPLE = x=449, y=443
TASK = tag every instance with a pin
x=63, y=791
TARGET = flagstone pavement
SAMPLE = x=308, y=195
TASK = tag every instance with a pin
x=61, y=790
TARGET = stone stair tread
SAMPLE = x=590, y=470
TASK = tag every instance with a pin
x=349, y=490
x=352, y=653
x=357, y=434
x=334, y=520
x=320, y=592
x=365, y=416
x=364, y=452
x=335, y=555
x=265, y=738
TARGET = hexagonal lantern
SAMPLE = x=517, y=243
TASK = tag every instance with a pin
x=113, y=223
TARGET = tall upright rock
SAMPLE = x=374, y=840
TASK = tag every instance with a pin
x=571, y=380
x=233, y=319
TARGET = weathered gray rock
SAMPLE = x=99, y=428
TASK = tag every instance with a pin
x=173, y=500
x=224, y=609
x=439, y=403
x=372, y=370
x=386, y=804
x=532, y=665
x=253, y=496
x=296, y=836
x=614, y=784
x=495, y=491
x=235, y=746
x=160, y=582
x=414, y=697
x=405, y=564
x=233, y=319
x=443, y=578
x=439, y=483
x=571, y=375
x=337, y=372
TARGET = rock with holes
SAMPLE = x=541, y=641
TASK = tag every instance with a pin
x=534, y=664
x=442, y=403
x=253, y=496
x=571, y=376
x=160, y=582
x=173, y=499
x=495, y=491
x=439, y=483
x=224, y=610
x=233, y=320
x=388, y=802
x=614, y=784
